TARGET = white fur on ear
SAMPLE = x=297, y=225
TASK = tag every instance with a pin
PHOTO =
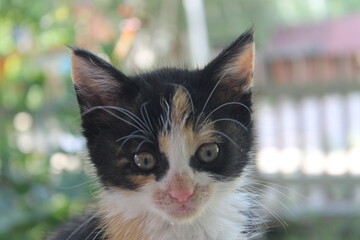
x=239, y=70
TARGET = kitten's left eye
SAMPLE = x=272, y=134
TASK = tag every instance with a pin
x=145, y=161
x=208, y=152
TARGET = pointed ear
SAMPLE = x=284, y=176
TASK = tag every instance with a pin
x=96, y=82
x=233, y=68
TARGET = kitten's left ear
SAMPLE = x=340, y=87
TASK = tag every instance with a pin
x=233, y=68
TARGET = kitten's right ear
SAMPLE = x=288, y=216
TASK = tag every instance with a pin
x=97, y=82
x=233, y=68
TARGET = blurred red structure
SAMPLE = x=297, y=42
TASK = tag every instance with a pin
x=325, y=51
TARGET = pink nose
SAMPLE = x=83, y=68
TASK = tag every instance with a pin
x=181, y=196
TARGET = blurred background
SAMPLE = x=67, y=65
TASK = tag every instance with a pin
x=307, y=101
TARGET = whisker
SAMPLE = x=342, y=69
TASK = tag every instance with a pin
x=133, y=133
x=132, y=116
x=278, y=201
x=140, y=144
x=81, y=226
x=275, y=215
x=198, y=119
x=209, y=97
x=227, y=137
x=231, y=120
x=286, y=188
x=166, y=122
x=270, y=211
x=128, y=137
x=283, y=205
x=253, y=196
x=147, y=117
x=92, y=179
x=257, y=220
x=213, y=90
x=89, y=235
x=272, y=188
x=226, y=104
x=101, y=230
x=111, y=113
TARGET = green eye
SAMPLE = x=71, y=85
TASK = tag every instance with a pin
x=208, y=152
x=145, y=160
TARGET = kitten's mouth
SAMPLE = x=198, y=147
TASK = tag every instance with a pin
x=182, y=211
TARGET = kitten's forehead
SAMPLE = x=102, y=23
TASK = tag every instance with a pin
x=180, y=137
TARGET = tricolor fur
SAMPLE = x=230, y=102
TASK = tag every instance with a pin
x=170, y=114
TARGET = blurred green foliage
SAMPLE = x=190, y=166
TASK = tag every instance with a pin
x=32, y=199
x=35, y=80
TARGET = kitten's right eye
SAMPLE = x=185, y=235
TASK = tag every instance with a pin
x=145, y=161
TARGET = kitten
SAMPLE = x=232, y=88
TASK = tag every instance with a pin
x=172, y=149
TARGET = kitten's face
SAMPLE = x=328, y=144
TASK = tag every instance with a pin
x=169, y=142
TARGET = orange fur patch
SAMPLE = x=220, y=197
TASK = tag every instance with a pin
x=163, y=142
x=141, y=180
x=121, y=161
x=181, y=108
x=119, y=228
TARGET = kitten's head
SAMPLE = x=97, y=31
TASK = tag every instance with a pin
x=169, y=142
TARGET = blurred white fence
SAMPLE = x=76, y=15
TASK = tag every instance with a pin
x=309, y=149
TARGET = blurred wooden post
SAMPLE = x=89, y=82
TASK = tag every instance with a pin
x=197, y=31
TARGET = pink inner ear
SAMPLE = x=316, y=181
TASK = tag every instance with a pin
x=239, y=71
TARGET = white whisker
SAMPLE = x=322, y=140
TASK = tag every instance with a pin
x=227, y=137
x=92, y=179
x=226, y=104
x=278, y=201
x=140, y=144
x=81, y=226
x=140, y=125
x=231, y=120
x=131, y=137
x=166, y=121
x=278, y=185
x=213, y=90
x=146, y=118
x=275, y=215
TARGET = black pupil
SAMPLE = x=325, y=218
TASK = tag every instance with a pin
x=209, y=153
x=146, y=161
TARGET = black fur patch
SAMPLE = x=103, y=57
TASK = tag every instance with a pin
x=85, y=227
